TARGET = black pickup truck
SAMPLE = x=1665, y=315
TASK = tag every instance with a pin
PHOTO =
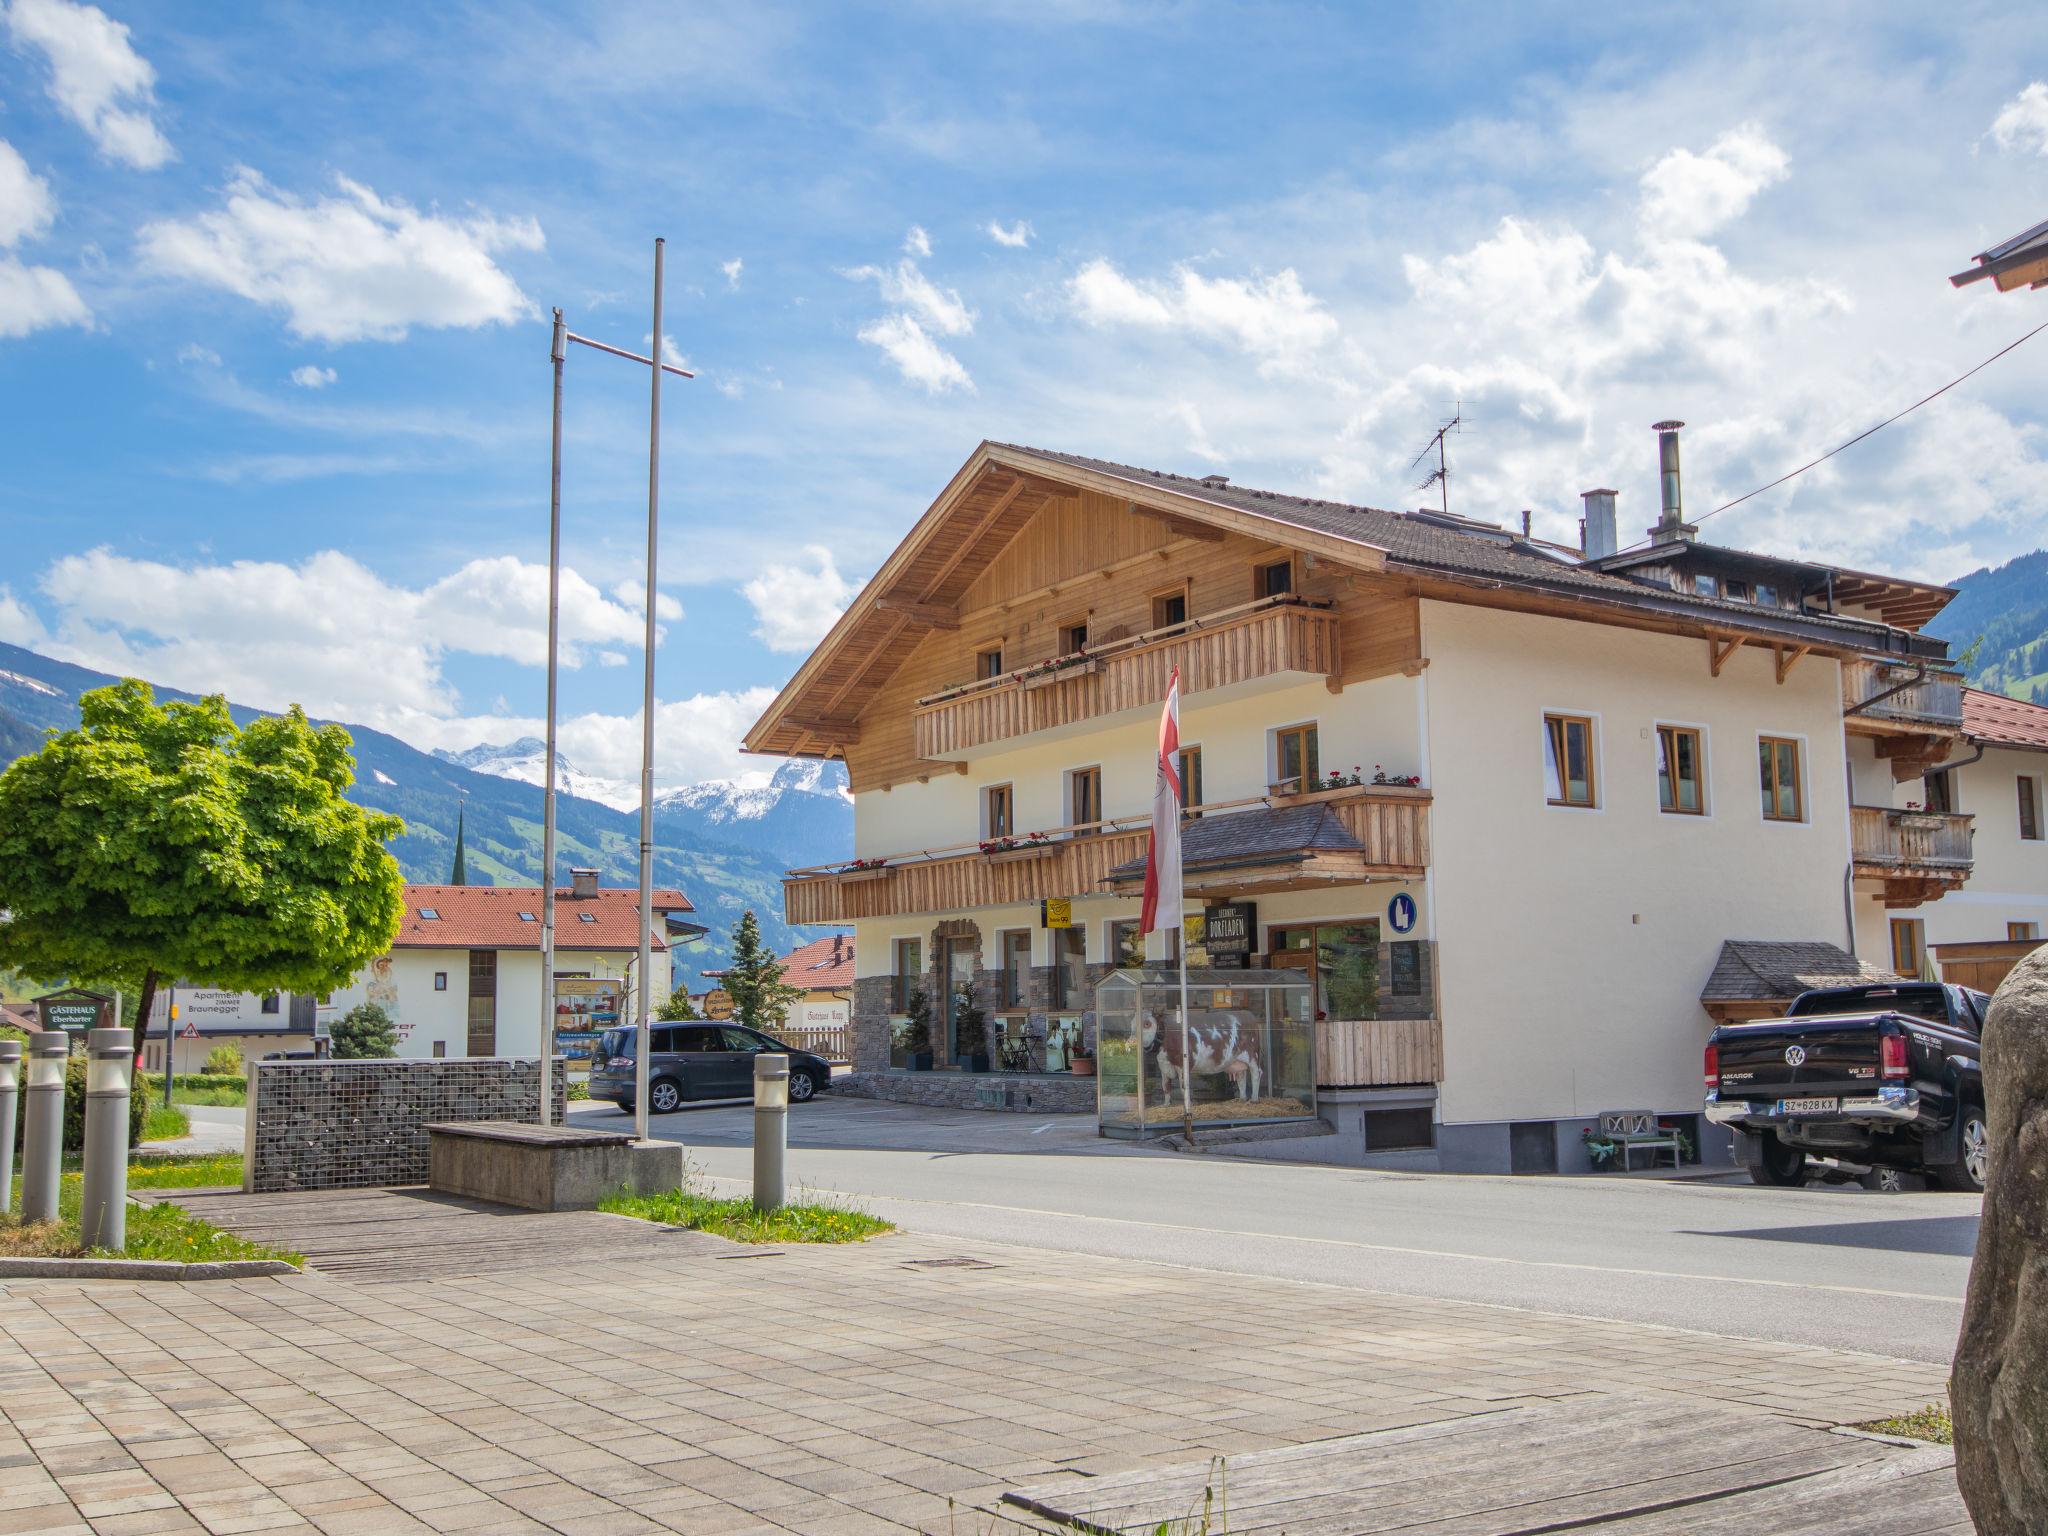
x=1885, y=1075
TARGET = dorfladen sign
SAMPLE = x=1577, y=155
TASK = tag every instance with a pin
x=1230, y=931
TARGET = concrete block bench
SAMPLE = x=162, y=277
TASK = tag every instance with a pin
x=545, y=1167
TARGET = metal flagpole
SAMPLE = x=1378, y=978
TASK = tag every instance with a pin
x=644, y=1035
x=558, y=350
x=1187, y=1075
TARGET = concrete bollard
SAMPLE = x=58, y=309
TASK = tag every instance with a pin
x=10, y=1102
x=771, y=1128
x=109, y=1079
x=42, y=1147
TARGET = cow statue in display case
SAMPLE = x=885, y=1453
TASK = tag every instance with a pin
x=1220, y=1043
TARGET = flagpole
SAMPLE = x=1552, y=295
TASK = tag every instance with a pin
x=1187, y=1075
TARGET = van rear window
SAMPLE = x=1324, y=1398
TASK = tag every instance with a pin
x=616, y=1042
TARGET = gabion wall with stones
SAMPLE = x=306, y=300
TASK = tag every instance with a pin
x=362, y=1124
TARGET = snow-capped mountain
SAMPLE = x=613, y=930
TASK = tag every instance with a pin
x=751, y=798
x=525, y=760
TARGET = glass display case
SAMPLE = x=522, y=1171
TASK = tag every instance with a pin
x=1245, y=1057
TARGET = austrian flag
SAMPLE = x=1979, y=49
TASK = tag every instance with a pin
x=1162, y=853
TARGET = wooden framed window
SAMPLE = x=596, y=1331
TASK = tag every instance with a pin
x=1941, y=792
x=1704, y=585
x=1765, y=595
x=2030, y=808
x=1569, y=777
x=988, y=662
x=1778, y=777
x=1126, y=944
x=1170, y=607
x=1681, y=773
x=1295, y=764
x=1084, y=799
x=1073, y=637
x=1016, y=952
x=909, y=972
x=1273, y=578
x=997, y=804
x=2023, y=932
x=1069, y=967
x=1909, y=946
x=1735, y=591
x=1190, y=767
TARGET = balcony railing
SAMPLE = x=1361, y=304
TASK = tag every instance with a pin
x=1935, y=701
x=1262, y=639
x=1374, y=1053
x=1391, y=824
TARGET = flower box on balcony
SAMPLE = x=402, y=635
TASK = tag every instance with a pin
x=864, y=872
x=1021, y=853
x=1059, y=669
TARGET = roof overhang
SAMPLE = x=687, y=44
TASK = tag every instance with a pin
x=2021, y=262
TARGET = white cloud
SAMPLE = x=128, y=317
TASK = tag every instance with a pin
x=2022, y=123
x=917, y=357
x=26, y=203
x=347, y=267
x=939, y=309
x=96, y=77
x=18, y=622
x=328, y=633
x=627, y=595
x=794, y=605
x=917, y=242
x=311, y=376
x=1686, y=196
x=194, y=355
x=732, y=270
x=670, y=352
x=1275, y=318
x=33, y=298
x=1016, y=236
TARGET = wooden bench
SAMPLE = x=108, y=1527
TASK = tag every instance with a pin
x=545, y=1167
x=1637, y=1129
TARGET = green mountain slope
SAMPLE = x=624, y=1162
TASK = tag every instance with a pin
x=502, y=818
x=2007, y=609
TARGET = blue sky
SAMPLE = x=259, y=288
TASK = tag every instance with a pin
x=274, y=284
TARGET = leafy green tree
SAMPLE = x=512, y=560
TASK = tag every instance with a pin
x=676, y=1006
x=760, y=997
x=365, y=1033
x=160, y=840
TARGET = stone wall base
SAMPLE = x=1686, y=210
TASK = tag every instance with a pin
x=1050, y=1093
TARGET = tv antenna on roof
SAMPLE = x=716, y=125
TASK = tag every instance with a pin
x=1440, y=477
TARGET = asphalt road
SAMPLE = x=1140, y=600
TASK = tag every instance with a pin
x=1842, y=1268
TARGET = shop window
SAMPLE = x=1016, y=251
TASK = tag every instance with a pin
x=1569, y=777
x=1170, y=608
x=1342, y=961
x=1295, y=765
x=1190, y=769
x=1273, y=579
x=1126, y=944
x=908, y=973
x=1016, y=951
x=1909, y=946
x=1084, y=800
x=1069, y=967
x=1680, y=776
x=1073, y=637
x=2030, y=808
x=1778, y=777
x=996, y=812
x=988, y=662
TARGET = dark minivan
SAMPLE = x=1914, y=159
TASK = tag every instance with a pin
x=698, y=1061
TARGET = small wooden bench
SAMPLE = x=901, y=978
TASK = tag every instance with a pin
x=545, y=1167
x=1637, y=1129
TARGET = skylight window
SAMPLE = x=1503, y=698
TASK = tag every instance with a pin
x=588, y=917
x=430, y=915
x=528, y=917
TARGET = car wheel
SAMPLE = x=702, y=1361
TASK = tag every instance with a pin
x=1888, y=1181
x=664, y=1096
x=801, y=1086
x=1973, y=1165
x=1780, y=1167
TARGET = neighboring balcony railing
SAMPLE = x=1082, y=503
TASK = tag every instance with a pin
x=1392, y=825
x=1933, y=701
x=1919, y=855
x=1271, y=637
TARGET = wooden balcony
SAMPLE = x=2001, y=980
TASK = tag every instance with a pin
x=1914, y=728
x=1374, y=1053
x=1918, y=855
x=1273, y=638
x=1392, y=825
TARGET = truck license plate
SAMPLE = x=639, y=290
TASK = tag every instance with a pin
x=1809, y=1106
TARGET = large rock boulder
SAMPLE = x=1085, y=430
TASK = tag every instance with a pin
x=1999, y=1387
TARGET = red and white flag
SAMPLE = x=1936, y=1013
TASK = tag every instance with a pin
x=1162, y=853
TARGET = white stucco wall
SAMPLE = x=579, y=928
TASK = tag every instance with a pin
x=1574, y=943
x=2008, y=875
x=403, y=982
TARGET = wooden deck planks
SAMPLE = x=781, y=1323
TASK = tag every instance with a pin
x=1644, y=1466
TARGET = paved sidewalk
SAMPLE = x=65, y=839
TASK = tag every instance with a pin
x=717, y=1388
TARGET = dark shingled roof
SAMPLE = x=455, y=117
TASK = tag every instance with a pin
x=1758, y=970
x=1476, y=549
x=1268, y=835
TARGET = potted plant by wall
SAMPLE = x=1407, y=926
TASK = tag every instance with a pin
x=1081, y=1058
x=970, y=1028
x=917, y=1031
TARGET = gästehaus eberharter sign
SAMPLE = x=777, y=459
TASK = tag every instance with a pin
x=1606, y=762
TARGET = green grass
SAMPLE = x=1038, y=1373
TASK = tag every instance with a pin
x=166, y=1122
x=1929, y=1423
x=153, y=1231
x=736, y=1219
x=180, y=1094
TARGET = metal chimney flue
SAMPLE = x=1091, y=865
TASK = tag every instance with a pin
x=1598, y=537
x=1671, y=523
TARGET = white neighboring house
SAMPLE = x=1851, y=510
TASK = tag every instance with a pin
x=257, y=1024
x=463, y=976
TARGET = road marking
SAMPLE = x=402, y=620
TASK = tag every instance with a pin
x=1425, y=1253
x=1043, y=1129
